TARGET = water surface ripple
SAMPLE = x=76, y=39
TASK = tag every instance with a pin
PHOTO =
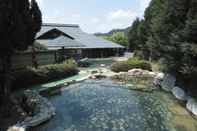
x=105, y=106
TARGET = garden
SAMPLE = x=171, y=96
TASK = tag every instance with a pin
x=87, y=99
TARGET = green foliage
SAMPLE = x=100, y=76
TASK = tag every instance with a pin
x=44, y=74
x=39, y=47
x=130, y=64
x=137, y=38
x=157, y=66
x=118, y=37
x=168, y=32
x=133, y=35
x=125, y=31
x=19, y=23
x=180, y=53
x=138, y=53
x=169, y=35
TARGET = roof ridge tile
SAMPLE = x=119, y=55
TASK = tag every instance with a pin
x=60, y=25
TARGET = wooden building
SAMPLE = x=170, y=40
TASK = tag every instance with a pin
x=71, y=41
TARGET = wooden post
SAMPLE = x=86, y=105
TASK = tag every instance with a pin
x=62, y=58
x=6, y=77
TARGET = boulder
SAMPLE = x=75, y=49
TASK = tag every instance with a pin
x=94, y=72
x=192, y=106
x=158, y=79
x=15, y=128
x=121, y=73
x=168, y=82
x=100, y=76
x=66, y=84
x=179, y=93
x=139, y=72
x=93, y=77
x=42, y=108
x=103, y=65
x=39, y=119
x=152, y=74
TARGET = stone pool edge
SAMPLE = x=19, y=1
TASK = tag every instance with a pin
x=167, y=83
x=46, y=110
x=43, y=110
x=160, y=79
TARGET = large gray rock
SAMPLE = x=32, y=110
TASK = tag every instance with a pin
x=192, y=106
x=168, y=82
x=43, y=110
x=15, y=128
x=140, y=72
x=158, y=79
x=152, y=74
x=135, y=72
x=179, y=93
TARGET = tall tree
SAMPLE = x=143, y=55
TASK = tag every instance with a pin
x=137, y=36
x=172, y=24
x=153, y=15
x=169, y=32
x=19, y=23
x=133, y=35
x=188, y=41
x=118, y=37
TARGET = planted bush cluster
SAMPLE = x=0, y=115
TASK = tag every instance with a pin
x=132, y=63
x=30, y=76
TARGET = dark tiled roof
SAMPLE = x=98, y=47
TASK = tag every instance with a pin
x=88, y=40
x=60, y=42
x=60, y=25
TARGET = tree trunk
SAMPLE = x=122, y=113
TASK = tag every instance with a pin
x=6, y=78
x=34, y=60
x=151, y=56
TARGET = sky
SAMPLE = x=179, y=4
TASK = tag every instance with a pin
x=93, y=15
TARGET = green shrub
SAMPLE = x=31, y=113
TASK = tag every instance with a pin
x=31, y=76
x=84, y=64
x=130, y=64
x=139, y=54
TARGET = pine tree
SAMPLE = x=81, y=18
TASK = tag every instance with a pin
x=188, y=41
x=169, y=32
x=153, y=16
x=19, y=23
x=133, y=35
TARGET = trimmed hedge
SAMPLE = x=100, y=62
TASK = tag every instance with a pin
x=132, y=63
x=30, y=76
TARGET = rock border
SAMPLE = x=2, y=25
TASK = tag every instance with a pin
x=167, y=82
x=42, y=108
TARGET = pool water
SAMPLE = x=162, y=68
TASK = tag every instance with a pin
x=102, y=105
